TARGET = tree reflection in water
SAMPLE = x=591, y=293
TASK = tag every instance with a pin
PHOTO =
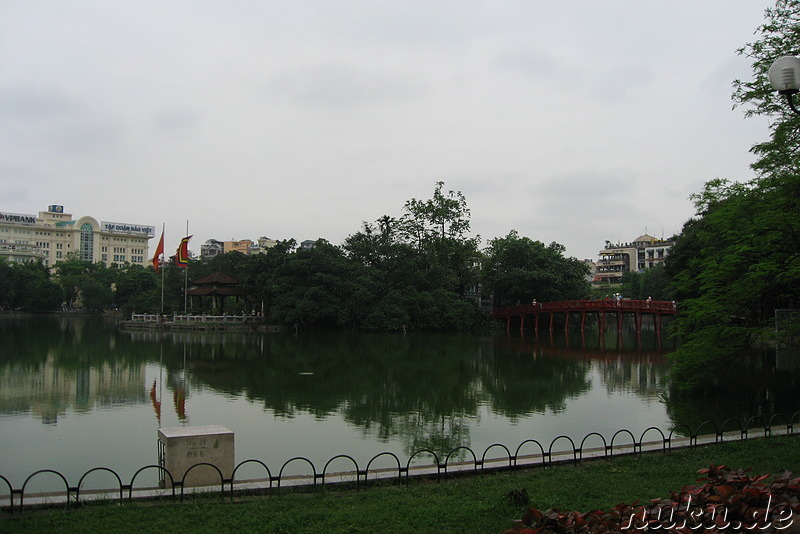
x=426, y=391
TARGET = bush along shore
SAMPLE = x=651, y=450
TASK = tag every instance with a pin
x=560, y=497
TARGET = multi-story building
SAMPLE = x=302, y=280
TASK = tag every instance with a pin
x=642, y=253
x=242, y=246
x=266, y=243
x=212, y=247
x=54, y=236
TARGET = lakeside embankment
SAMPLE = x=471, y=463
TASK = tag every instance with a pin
x=466, y=505
x=198, y=323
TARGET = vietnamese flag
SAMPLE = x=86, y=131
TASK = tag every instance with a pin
x=159, y=251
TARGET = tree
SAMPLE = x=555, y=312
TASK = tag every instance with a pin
x=731, y=269
x=438, y=229
x=649, y=283
x=33, y=289
x=440, y=217
x=70, y=274
x=6, y=284
x=738, y=260
x=376, y=244
x=138, y=289
x=258, y=273
x=420, y=266
x=519, y=269
x=321, y=288
x=96, y=296
x=778, y=37
x=73, y=274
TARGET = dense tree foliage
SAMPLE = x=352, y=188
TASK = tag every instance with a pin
x=421, y=271
x=28, y=287
x=518, y=269
x=738, y=260
x=420, y=266
x=650, y=283
x=137, y=289
x=85, y=284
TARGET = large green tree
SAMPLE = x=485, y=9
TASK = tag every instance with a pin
x=439, y=229
x=320, y=287
x=738, y=260
x=138, y=289
x=34, y=291
x=421, y=265
x=445, y=215
x=81, y=279
x=519, y=269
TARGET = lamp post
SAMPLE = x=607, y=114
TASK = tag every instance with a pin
x=784, y=75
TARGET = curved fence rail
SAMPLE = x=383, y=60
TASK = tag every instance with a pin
x=422, y=463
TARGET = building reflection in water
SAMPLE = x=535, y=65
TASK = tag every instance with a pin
x=48, y=390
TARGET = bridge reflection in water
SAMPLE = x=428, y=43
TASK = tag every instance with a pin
x=599, y=309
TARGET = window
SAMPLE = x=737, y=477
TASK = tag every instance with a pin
x=87, y=242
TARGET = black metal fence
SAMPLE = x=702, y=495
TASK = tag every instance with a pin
x=529, y=453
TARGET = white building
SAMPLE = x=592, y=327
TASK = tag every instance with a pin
x=54, y=236
x=644, y=252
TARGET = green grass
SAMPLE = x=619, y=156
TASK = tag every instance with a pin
x=463, y=505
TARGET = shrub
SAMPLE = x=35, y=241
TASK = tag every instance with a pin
x=725, y=501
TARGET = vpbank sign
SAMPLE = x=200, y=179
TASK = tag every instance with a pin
x=126, y=228
x=17, y=218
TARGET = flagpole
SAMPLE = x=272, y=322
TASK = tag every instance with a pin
x=163, y=227
x=157, y=262
x=186, y=276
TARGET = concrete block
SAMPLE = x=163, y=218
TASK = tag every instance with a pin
x=181, y=448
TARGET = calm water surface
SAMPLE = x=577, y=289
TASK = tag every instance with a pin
x=77, y=393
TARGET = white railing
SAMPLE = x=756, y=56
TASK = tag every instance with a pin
x=209, y=318
x=144, y=317
x=154, y=318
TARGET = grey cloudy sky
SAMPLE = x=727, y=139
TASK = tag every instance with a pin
x=570, y=121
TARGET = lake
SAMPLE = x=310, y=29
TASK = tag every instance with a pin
x=78, y=393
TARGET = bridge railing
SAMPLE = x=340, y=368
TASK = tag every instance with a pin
x=653, y=306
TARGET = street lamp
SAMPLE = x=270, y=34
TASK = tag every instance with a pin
x=784, y=75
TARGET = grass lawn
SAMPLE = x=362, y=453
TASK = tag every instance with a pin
x=462, y=505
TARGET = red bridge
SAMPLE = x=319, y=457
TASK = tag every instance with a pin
x=656, y=308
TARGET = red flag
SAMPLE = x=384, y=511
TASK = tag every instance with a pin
x=182, y=256
x=159, y=251
x=155, y=401
x=179, y=398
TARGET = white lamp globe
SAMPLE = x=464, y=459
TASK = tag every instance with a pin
x=784, y=75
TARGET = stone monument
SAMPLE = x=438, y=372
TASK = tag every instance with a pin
x=181, y=448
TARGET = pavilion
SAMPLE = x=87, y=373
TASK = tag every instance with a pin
x=218, y=286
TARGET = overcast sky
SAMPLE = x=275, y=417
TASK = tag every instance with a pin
x=573, y=121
